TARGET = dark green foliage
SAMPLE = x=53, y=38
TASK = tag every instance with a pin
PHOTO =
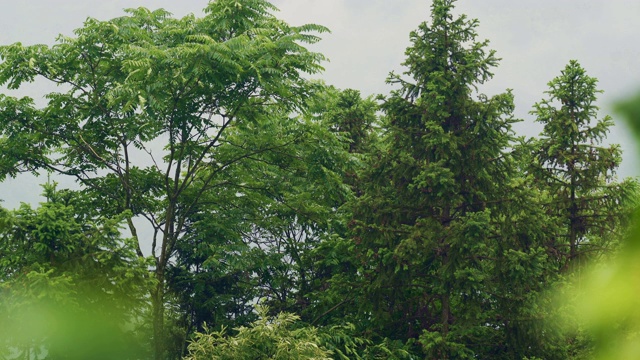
x=409, y=226
x=253, y=239
x=347, y=114
x=446, y=234
x=428, y=222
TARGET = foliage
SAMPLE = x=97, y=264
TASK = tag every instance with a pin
x=437, y=225
x=285, y=337
x=253, y=239
x=68, y=278
x=412, y=225
x=266, y=338
x=140, y=142
x=344, y=342
x=605, y=301
x=576, y=171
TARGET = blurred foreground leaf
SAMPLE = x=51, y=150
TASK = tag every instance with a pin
x=607, y=303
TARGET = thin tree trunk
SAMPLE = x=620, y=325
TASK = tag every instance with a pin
x=573, y=214
x=157, y=300
x=445, y=324
x=158, y=295
x=445, y=315
x=445, y=298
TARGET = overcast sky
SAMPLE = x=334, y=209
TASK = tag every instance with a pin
x=534, y=38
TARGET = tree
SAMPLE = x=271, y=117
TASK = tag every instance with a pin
x=607, y=303
x=254, y=237
x=577, y=171
x=347, y=114
x=145, y=105
x=441, y=224
x=70, y=285
x=352, y=119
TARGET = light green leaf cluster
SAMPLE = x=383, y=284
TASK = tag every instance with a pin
x=267, y=338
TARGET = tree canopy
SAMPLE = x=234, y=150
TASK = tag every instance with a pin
x=410, y=225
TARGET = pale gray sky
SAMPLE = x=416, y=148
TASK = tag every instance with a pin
x=535, y=39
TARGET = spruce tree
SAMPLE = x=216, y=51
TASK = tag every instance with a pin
x=577, y=170
x=430, y=222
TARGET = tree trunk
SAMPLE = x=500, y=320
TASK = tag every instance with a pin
x=158, y=293
x=573, y=237
x=445, y=315
x=573, y=215
x=445, y=324
x=157, y=300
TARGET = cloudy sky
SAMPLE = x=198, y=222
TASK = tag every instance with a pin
x=534, y=38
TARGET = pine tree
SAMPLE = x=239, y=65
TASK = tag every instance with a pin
x=427, y=226
x=576, y=170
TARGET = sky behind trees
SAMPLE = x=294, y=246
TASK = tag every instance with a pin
x=535, y=40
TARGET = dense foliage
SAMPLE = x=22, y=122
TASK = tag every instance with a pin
x=406, y=226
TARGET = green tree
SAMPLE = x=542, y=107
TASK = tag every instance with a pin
x=349, y=115
x=440, y=228
x=70, y=285
x=254, y=237
x=144, y=107
x=352, y=119
x=604, y=300
x=577, y=171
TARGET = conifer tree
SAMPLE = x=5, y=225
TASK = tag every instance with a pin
x=429, y=224
x=577, y=170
